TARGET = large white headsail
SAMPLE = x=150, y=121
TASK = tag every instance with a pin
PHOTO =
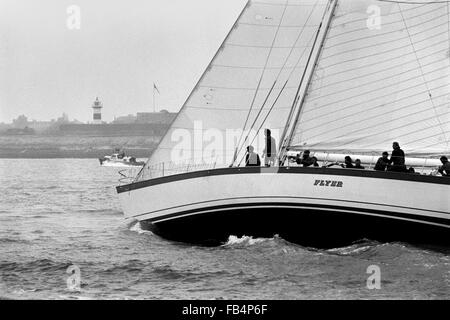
x=268, y=45
x=382, y=76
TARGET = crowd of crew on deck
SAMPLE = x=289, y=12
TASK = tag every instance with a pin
x=396, y=162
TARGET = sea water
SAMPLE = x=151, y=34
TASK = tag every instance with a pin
x=63, y=236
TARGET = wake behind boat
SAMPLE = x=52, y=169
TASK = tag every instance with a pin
x=328, y=77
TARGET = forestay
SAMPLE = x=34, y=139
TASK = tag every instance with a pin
x=382, y=76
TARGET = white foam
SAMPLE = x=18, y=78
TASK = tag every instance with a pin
x=136, y=227
x=350, y=250
x=118, y=165
x=244, y=240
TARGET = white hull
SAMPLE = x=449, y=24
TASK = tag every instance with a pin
x=421, y=200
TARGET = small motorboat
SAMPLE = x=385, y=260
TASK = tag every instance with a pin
x=118, y=159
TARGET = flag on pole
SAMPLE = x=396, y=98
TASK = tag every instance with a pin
x=155, y=88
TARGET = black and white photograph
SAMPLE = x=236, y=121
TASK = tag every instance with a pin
x=224, y=150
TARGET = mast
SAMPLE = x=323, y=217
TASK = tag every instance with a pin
x=315, y=53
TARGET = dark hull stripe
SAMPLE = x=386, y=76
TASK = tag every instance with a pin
x=389, y=215
x=286, y=170
x=303, y=198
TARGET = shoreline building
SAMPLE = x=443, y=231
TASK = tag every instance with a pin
x=97, y=111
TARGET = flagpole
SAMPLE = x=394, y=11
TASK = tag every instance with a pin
x=154, y=110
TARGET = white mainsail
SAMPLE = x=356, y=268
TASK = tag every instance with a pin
x=266, y=50
x=382, y=76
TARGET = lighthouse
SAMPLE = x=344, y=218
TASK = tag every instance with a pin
x=97, y=111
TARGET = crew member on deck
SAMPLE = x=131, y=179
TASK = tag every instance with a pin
x=252, y=158
x=358, y=164
x=305, y=160
x=348, y=163
x=270, y=151
x=397, y=161
x=382, y=162
x=445, y=168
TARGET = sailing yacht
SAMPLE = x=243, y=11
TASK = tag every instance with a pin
x=336, y=77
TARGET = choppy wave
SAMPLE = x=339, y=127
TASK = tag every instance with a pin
x=14, y=240
x=100, y=212
x=355, y=248
x=34, y=266
x=276, y=242
x=135, y=226
x=234, y=241
x=83, y=225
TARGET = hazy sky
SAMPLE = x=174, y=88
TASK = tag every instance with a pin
x=121, y=48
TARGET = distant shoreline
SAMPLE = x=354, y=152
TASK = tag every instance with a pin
x=72, y=154
x=74, y=147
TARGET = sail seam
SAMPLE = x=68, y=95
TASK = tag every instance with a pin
x=284, y=67
x=378, y=44
x=384, y=15
x=417, y=140
x=259, y=46
x=425, y=81
x=260, y=80
x=373, y=82
x=393, y=22
x=371, y=118
x=384, y=123
x=384, y=34
x=381, y=62
x=275, y=26
x=381, y=53
x=378, y=97
x=372, y=73
x=255, y=68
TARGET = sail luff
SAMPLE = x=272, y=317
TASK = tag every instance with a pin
x=294, y=103
x=327, y=19
x=193, y=89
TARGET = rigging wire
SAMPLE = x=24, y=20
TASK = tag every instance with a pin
x=297, y=94
x=374, y=126
x=424, y=79
x=260, y=79
x=239, y=148
x=382, y=79
x=265, y=118
x=363, y=94
x=365, y=75
x=376, y=98
x=421, y=15
x=379, y=62
x=420, y=66
x=383, y=43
